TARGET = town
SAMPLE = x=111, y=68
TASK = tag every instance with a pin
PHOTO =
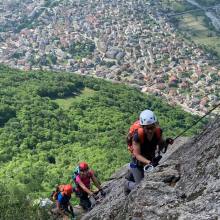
x=128, y=41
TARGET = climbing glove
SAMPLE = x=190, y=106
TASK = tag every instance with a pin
x=156, y=160
x=169, y=141
x=102, y=192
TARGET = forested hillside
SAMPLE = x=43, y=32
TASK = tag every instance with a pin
x=51, y=121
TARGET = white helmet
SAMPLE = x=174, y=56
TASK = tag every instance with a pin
x=147, y=117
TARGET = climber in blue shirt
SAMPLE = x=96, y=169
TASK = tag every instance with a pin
x=63, y=205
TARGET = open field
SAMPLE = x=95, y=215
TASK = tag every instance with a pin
x=195, y=25
x=67, y=102
x=196, y=28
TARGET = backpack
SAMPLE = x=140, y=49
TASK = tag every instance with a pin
x=75, y=174
x=136, y=127
x=54, y=194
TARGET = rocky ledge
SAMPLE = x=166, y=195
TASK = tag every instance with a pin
x=186, y=184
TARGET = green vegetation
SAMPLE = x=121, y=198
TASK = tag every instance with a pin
x=81, y=49
x=176, y=6
x=44, y=60
x=16, y=205
x=201, y=31
x=194, y=25
x=67, y=102
x=18, y=55
x=108, y=64
x=51, y=121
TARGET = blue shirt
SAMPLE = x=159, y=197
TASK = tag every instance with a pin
x=63, y=199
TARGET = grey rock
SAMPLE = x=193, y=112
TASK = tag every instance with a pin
x=185, y=186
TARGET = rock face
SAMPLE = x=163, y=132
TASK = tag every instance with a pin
x=185, y=186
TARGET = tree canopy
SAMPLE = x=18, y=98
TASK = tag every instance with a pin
x=42, y=140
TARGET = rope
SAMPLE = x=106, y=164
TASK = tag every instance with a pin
x=197, y=121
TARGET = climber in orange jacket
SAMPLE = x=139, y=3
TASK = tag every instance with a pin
x=143, y=142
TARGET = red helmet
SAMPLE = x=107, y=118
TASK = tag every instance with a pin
x=83, y=166
x=68, y=189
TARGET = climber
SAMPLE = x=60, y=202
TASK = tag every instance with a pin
x=144, y=141
x=82, y=178
x=63, y=206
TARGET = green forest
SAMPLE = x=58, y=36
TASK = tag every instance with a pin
x=50, y=121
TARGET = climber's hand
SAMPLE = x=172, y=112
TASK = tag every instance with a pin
x=156, y=160
x=169, y=141
x=103, y=193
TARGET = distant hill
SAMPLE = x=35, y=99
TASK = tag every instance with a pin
x=51, y=121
